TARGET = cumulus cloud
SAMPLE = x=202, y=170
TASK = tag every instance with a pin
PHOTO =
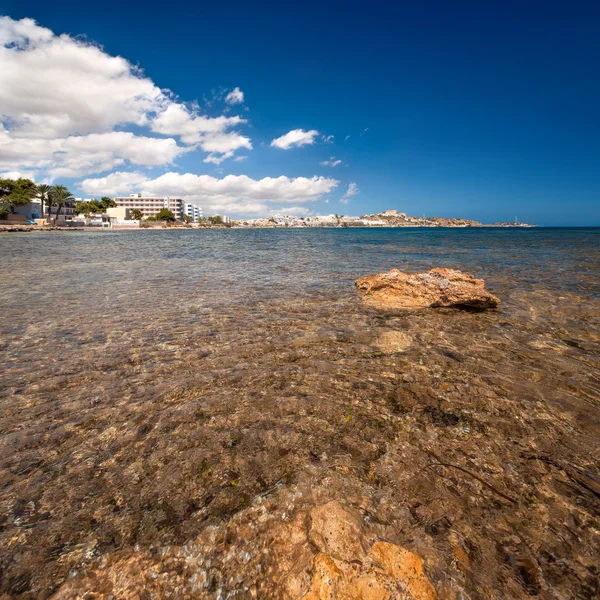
x=332, y=162
x=115, y=184
x=295, y=139
x=18, y=175
x=210, y=134
x=78, y=155
x=70, y=87
x=56, y=92
x=236, y=96
x=233, y=194
x=351, y=191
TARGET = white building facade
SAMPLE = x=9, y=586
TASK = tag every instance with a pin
x=193, y=211
x=149, y=206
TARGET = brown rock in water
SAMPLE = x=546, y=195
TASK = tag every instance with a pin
x=406, y=568
x=327, y=579
x=337, y=531
x=342, y=570
x=329, y=553
x=437, y=288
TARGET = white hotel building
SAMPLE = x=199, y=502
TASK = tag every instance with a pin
x=150, y=205
x=193, y=211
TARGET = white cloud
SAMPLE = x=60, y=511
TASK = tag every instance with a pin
x=217, y=159
x=115, y=184
x=210, y=134
x=21, y=31
x=231, y=194
x=177, y=119
x=332, y=162
x=79, y=155
x=18, y=175
x=225, y=142
x=240, y=158
x=62, y=99
x=54, y=86
x=351, y=191
x=236, y=96
x=328, y=139
x=347, y=138
x=295, y=138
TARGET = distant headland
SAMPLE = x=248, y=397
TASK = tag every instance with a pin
x=388, y=218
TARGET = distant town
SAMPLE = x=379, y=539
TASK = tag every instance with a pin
x=388, y=218
x=25, y=205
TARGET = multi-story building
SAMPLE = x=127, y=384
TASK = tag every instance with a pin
x=67, y=212
x=193, y=211
x=149, y=206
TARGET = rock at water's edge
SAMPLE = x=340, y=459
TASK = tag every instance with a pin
x=436, y=289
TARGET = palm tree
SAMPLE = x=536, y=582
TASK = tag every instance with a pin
x=58, y=196
x=43, y=190
x=50, y=202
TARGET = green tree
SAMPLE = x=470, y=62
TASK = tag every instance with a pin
x=136, y=214
x=43, y=189
x=59, y=196
x=82, y=208
x=107, y=202
x=87, y=208
x=17, y=192
x=97, y=206
x=50, y=202
x=6, y=188
x=164, y=214
x=4, y=212
x=216, y=220
x=187, y=219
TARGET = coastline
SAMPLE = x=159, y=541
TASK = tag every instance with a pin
x=36, y=228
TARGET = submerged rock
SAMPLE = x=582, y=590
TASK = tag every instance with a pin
x=436, y=289
x=343, y=570
x=337, y=531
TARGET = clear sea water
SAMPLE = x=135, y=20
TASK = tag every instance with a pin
x=158, y=385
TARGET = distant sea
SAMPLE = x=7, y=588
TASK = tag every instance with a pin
x=116, y=272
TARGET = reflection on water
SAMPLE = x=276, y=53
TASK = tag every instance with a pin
x=173, y=402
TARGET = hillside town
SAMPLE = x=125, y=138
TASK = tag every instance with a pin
x=388, y=218
x=25, y=205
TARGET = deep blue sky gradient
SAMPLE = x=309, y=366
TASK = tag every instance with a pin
x=473, y=109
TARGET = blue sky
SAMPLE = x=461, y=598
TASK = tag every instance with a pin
x=447, y=109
